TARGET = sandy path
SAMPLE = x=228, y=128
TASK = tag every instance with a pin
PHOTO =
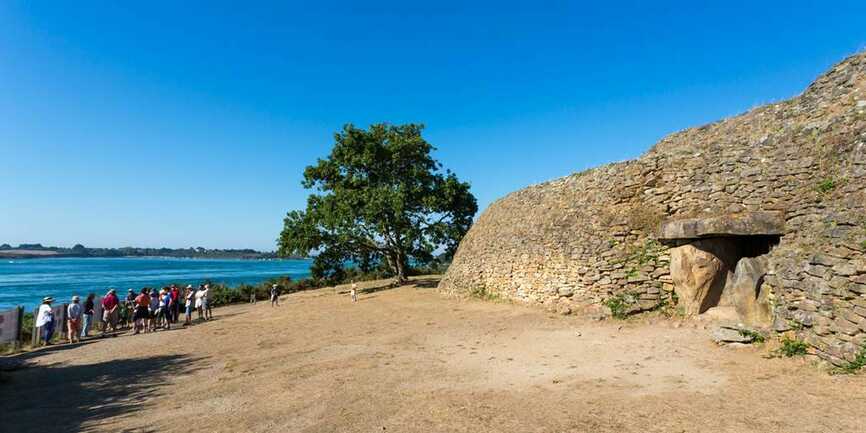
x=408, y=360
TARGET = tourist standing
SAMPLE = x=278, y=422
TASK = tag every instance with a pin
x=154, y=308
x=354, y=291
x=89, y=306
x=275, y=295
x=110, y=304
x=164, y=312
x=175, y=303
x=205, y=303
x=129, y=304
x=141, y=314
x=252, y=294
x=199, y=302
x=189, y=297
x=45, y=320
x=73, y=319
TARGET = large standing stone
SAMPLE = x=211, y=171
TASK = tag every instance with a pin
x=697, y=274
x=745, y=290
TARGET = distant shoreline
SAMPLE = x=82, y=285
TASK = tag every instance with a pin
x=73, y=256
x=37, y=251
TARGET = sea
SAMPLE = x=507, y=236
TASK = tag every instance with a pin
x=26, y=282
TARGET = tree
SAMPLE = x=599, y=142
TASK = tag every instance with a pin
x=380, y=199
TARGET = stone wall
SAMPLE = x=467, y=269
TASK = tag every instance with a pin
x=572, y=243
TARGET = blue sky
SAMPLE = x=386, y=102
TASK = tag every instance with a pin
x=166, y=123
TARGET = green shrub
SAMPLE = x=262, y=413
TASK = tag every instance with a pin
x=826, y=186
x=619, y=304
x=792, y=347
x=482, y=293
x=756, y=337
x=858, y=363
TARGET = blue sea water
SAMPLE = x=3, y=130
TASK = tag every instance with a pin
x=26, y=282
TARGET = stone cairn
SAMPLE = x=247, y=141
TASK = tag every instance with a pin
x=760, y=218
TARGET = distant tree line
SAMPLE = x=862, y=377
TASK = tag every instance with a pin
x=80, y=250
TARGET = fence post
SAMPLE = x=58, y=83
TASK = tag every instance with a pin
x=34, y=340
x=19, y=333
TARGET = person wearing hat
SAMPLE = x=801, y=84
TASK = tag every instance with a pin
x=275, y=295
x=110, y=304
x=73, y=319
x=129, y=306
x=189, y=297
x=45, y=320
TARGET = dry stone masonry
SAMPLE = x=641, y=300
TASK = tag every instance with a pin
x=758, y=218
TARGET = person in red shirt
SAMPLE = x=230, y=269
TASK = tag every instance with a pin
x=142, y=312
x=110, y=311
x=174, y=309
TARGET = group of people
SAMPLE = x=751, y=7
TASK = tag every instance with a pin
x=146, y=311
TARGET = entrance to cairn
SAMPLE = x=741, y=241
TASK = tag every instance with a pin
x=718, y=264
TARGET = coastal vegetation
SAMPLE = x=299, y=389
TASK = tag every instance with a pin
x=381, y=204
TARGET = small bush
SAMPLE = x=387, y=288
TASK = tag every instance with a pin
x=483, y=294
x=619, y=305
x=756, y=337
x=826, y=186
x=857, y=364
x=792, y=347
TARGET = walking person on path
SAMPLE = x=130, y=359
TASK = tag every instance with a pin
x=275, y=295
x=45, y=320
x=354, y=291
x=89, y=306
x=110, y=305
x=73, y=319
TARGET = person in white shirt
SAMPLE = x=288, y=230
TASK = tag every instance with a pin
x=199, y=302
x=275, y=295
x=354, y=291
x=206, y=304
x=73, y=319
x=45, y=320
x=189, y=296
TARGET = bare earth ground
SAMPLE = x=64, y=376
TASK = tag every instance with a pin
x=408, y=360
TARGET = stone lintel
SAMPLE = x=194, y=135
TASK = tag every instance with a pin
x=740, y=224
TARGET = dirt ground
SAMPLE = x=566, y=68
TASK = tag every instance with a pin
x=409, y=360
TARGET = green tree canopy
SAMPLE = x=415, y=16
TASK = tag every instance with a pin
x=380, y=199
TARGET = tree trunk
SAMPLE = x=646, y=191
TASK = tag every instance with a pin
x=400, y=268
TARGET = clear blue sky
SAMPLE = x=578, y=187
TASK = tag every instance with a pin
x=181, y=123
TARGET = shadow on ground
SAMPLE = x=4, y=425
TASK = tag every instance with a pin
x=82, y=396
x=418, y=283
x=425, y=283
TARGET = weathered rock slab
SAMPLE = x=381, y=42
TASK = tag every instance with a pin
x=741, y=224
x=745, y=287
x=696, y=273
